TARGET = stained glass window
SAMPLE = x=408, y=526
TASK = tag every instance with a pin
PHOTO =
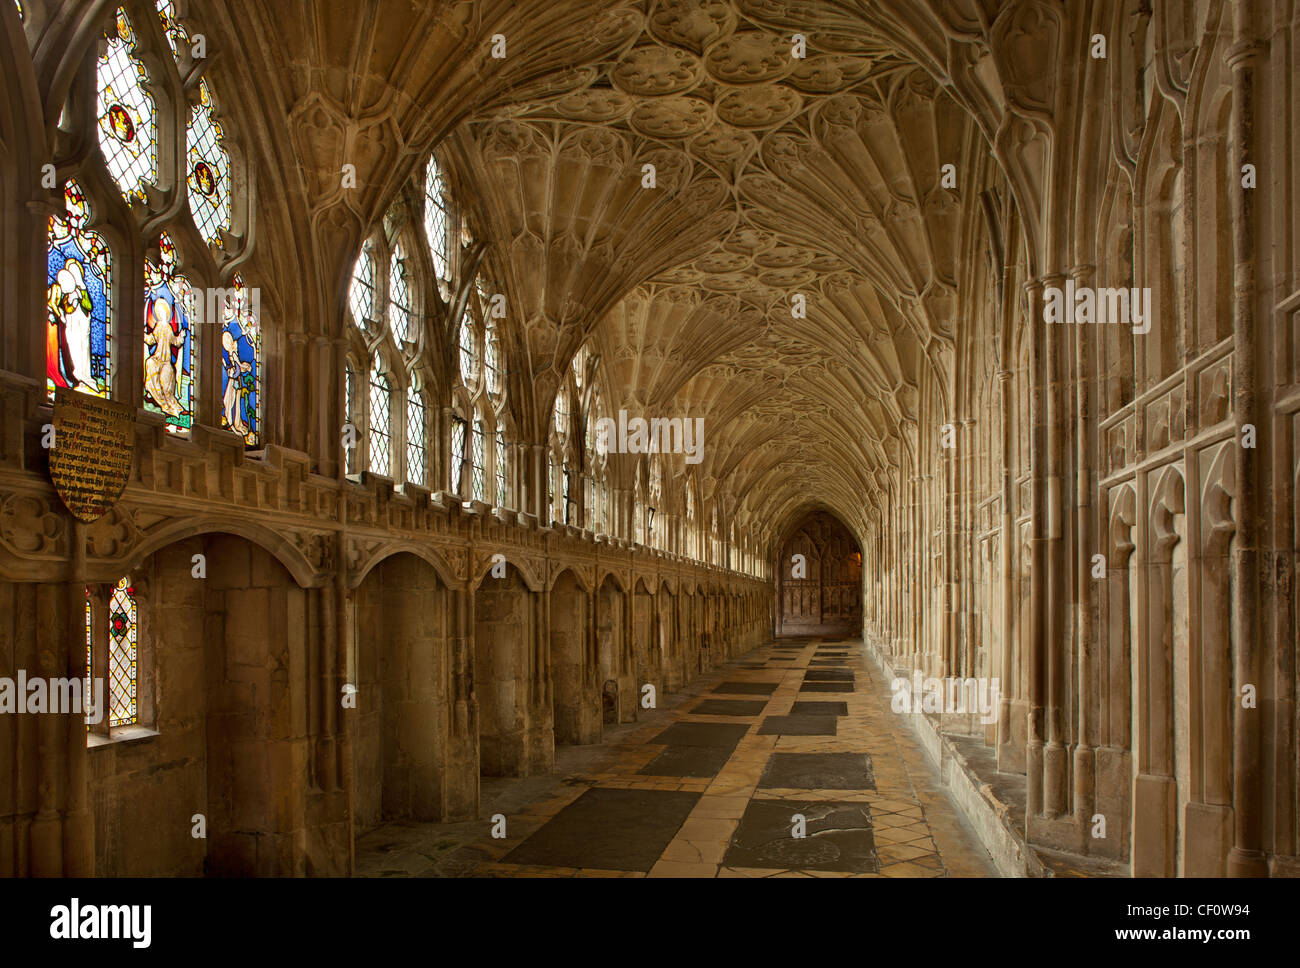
x=128, y=124
x=20, y=9
x=361, y=297
x=568, y=484
x=381, y=434
x=480, y=461
x=468, y=358
x=122, y=655
x=501, y=467
x=399, y=297
x=177, y=36
x=591, y=503
x=457, y=451
x=241, y=362
x=415, y=446
x=492, y=360
x=169, y=347
x=209, y=170
x=435, y=219
x=78, y=301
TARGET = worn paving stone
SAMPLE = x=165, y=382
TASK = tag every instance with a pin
x=746, y=688
x=722, y=735
x=838, y=837
x=813, y=707
x=818, y=771
x=730, y=707
x=798, y=726
x=828, y=675
x=826, y=687
x=625, y=830
x=688, y=761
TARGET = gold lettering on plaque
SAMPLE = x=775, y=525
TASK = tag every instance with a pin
x=94, y=442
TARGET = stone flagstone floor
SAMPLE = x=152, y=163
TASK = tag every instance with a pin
x=709, y=785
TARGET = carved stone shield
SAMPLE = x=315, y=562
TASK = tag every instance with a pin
x=90, y=460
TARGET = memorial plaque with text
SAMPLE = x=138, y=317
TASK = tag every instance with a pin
x=94, y=441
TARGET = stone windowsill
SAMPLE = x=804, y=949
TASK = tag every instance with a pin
x=122, y=734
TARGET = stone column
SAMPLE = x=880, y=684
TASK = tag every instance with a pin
x=1246, y=858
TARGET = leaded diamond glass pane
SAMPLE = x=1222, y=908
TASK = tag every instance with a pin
x=380, y=423
x=122, y=655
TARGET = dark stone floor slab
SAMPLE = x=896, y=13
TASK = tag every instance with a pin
x=830, y=655
x=746, y=688
x=828, y=662
x=621, y=830
x=818, y=771
x=838, y=837
x=730, y=707
x=721, y=735
x=828, y=675
x=826, y=687
x=751, y=665
x=798, y=726
x=810, y=707
x=688, y=761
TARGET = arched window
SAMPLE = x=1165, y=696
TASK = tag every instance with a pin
x=492, y=359
x=593, y=415
x=241, y=355
x=351, y=410
x=501, y=466
x=416, y=455
x=550, y=486
x=468, y=354
x=381, y=433
x=399, y=297
x=568, y=492
x=436, y=221
x=177, y=36
x=79, y=337
x=457, y=451
x=479, y=456
x=128, y=122
x=169, y=348
x=653, y=525
x=209, y=170
x=361, y=296
x=122, y=655
x=562, y=411
x=118, y=665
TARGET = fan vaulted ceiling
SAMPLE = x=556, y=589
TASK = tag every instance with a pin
x=776, y=177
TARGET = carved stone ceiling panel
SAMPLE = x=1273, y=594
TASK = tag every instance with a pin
x=792, y=272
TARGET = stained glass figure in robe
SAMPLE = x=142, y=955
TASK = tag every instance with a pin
x=169, y=346
x=241, y=367
x=78, y=301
